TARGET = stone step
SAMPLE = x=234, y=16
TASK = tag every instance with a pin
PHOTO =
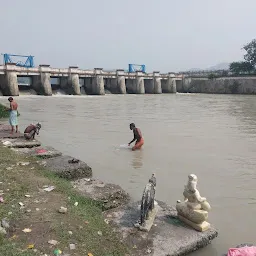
x=20, y=143
x=63, y=168
x=41, y=152
x=110, y=195
x=168, y=235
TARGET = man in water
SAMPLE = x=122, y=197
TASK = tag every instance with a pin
x=31, y=131
x=137, y=136
x=13, y=119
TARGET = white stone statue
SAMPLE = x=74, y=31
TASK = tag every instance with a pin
x=194, y=210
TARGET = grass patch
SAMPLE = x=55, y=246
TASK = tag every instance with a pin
x=40, y=213
x=4, y=113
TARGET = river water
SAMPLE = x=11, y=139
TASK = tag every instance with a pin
x=213, y=136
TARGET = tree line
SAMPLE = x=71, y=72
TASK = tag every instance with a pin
x=249, y=64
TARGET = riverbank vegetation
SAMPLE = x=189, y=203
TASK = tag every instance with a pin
x=3, y=111
x=248, y=65
x=36, y=227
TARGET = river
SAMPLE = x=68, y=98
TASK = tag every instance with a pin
x=212, y=136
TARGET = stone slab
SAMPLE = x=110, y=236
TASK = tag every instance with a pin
x=41, y=152
x=20, y=143
x=110, y=195
x=72, y=171
x=167, y=237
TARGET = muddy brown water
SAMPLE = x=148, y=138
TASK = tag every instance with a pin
x=213, y=136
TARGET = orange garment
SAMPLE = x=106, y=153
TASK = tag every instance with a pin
x=138, y=144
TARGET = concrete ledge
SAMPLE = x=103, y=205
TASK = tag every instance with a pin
x=20, y=143
x=110, y=195
x=41, y=152
x=168, y=236
x=71, y=171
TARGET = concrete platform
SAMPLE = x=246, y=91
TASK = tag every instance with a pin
x=20, y=143
x=110, y=195
x=167, y=237
x=72, y=171
x=5, y=132
x=41, y=152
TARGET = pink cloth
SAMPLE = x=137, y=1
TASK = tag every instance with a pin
x=41, y=151
x=243, y=251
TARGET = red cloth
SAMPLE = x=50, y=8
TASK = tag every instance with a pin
x=243, y=251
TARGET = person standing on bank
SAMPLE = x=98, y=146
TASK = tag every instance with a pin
x=13, y=118
x=137, y=137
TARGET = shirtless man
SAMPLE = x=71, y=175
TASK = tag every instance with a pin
x=13, y=119
x=137, y=136
x=31, y=131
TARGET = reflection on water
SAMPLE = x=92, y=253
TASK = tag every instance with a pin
x=137, y=160
x=213, y=136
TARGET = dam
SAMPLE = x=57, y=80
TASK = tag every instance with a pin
x=43, y=80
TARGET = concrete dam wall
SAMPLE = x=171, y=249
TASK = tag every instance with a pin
x=75, y=81
x=225, y=85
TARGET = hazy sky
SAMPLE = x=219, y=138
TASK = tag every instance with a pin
x=165, y=35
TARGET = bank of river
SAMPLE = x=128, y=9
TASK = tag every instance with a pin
x=212, y=136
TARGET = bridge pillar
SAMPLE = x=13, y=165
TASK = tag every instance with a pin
x=121, y=81
x=73, y=80
x=157, y=82
x=42, y=83
x=171, y=83
x=98, y=82
x=11, y=81
x=140, y=88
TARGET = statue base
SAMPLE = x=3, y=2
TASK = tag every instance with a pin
x=199, y=227
x=148, y=222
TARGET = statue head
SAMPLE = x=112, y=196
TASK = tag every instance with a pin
x=192, y=182
x=152, y=180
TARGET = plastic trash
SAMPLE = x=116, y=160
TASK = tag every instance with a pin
x=7, y=143
x=1, y=199
x=57, y=252
x=243, y=251
x=49, y=189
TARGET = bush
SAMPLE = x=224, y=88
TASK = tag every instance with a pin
x=4, y=113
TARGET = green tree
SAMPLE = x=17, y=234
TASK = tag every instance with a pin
x=241, y=67
x=250, y=55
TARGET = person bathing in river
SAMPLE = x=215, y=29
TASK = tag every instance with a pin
x=13, y=118
x=31, y=131
x=137, y=137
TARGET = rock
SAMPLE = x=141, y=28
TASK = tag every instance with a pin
x=2, y=231
x=170, y=236
x=70, y=171
x=110, y=195
x=63, y=210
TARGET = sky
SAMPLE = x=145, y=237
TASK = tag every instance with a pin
x=164, y=35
